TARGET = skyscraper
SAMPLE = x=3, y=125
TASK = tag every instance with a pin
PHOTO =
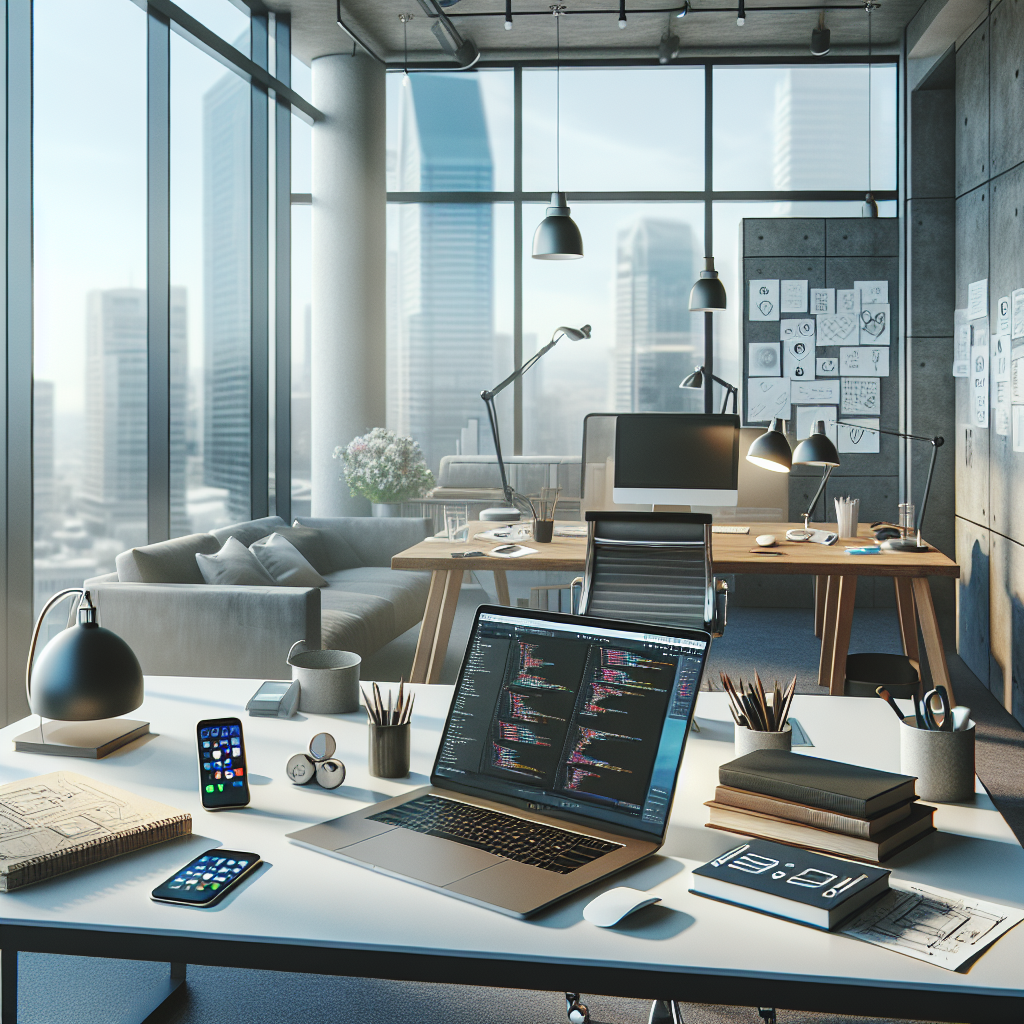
x=44, y=495
x=226, y=289
x=444, y=338
x=115, y=483
x=654, y=329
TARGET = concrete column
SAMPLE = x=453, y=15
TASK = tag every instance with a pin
x=348, y=286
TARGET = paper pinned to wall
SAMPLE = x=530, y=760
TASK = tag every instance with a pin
x=1017, y=376
x=1002, y=407
x=1003, y=317
x=962, y=349
x=767, y=397
x=798, y=359
x=823, y=301
x=808, y=415
x=872, y=291
x=979, y=384
x=793, y=297
x=864, y=359
x=977, y=299
x=841, y=329
x=826, y=366
x=1017, y=313
x=815, y=392
x=856, y=437
x=999, y=360
x=764, y=300
x=791, y=329
x=874, y=323
x=860, y=395
x=764, y=359
x=1018, y=428
x=847, y=300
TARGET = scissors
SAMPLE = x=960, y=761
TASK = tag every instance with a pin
x=937, y=720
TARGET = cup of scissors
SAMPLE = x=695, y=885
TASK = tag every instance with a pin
x=937, y=746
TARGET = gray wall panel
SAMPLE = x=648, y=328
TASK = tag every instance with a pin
x=791, y=236
x=931, y=268
x=1006, y=86
x=858, y=236
x=972, y=111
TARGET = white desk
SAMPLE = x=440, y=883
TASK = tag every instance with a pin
x=307, y=912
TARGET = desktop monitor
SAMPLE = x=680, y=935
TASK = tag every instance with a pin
x=677, y=459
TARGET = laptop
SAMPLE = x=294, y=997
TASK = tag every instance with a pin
x=556, y=768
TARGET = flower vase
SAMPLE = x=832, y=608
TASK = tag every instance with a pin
x=386, y=509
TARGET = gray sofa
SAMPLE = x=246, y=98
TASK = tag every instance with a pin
x=179, y=625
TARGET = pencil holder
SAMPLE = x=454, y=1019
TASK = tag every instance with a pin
x=389, y=750
x=748, y=740
x=943, y=762
x=543, y=530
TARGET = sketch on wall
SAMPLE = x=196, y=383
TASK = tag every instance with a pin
x=860, y=395
x=823, y=301
x=815, y=392
x=826, y=366
x=872, y=291
x=808, y=415
x=856, y=437
x=874, y=323
x=767, y=397
x=764, y=359
x=798, y=359
x=793, y=297
x=864, y=360
x=847, y=300
x=840, y=329
x=764, y=300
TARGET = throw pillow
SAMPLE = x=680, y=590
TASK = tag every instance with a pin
x=234, y=565
x=309, y=543
x=168, y=561
x=285, y=562
x=249, y=531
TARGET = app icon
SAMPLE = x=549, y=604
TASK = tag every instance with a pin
x=204, y=733
x=214, y=885
x=239, y=772
x=236, y=783
x=229, y=775
x=243, y=863
x=230, y=862
x=217, y=775
x=220, y=787
x=216, y=755
x=206, y=766
x=236, y=730
x=209, y=789
x=236, y=751
x=215, y=731
x=206, y=745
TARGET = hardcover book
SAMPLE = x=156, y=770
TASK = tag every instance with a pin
x=810, y=888
x=831, y=785
x=60, y=822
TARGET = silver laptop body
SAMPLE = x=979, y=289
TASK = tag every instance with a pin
x=562, y=722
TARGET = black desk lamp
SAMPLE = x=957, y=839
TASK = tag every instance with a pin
x=85, y=675
x=696, y=380
x=899, y=543
x=816, y=450
x=511, y=514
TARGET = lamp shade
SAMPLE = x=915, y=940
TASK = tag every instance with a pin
x=771, y=450
x=695, y=379
x=708, y=294
x=557, y=237
x=86, y=673
x=816, y=450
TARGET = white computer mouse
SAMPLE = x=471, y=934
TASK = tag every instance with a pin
x=766, y=540
x=612, y=906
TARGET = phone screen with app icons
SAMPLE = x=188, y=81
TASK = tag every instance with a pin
x=207, y=878
x=223, y=774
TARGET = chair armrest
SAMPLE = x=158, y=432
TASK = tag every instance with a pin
x=374, y=540
x=186, y=629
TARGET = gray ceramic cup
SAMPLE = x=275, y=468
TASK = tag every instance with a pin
x=943, y=762
x=328, y=680
x=748, y=740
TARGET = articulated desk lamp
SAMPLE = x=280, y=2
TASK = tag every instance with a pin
x=696, y=380
x=516, y=501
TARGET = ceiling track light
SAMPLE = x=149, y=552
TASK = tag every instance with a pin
x=668, y=48
x=508, y=15
x=821, y=38
x=684, y=11
x=622, y=13
x=741, y=13
x=463, y=50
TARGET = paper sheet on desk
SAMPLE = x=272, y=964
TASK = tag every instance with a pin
x=518, y=553
x=933, y=925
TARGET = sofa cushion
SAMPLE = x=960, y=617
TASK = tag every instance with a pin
x=310, y=543
x=250, y=531
x=234, y=566
x=338, y=549
x=285, y=563
x=367, y=607
x=363, y=540
x=169, y=561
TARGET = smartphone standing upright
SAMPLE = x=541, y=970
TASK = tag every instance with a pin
x=223, y=773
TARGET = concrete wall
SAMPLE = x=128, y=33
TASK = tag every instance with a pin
x=989, y=175
x=829, y=253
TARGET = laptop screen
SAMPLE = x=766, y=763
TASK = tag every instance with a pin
x=580, y=715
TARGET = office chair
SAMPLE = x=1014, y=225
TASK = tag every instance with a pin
x=653, y=567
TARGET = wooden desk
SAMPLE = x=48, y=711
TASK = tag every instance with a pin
x=836, y=574
x=306, y=912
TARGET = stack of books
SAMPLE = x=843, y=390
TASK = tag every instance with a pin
x=821, y=805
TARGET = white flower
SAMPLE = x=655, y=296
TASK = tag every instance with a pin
x=385, y=467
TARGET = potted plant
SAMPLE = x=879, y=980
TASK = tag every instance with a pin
x=385, y=467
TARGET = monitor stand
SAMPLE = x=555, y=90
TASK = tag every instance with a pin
x=670, y=508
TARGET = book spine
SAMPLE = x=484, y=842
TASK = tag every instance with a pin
x=867, y=850
x=767, y=786
x=799, y=813
x=60, y=862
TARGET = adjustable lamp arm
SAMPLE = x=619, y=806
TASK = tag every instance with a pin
x=730, y=391
x=817, y=495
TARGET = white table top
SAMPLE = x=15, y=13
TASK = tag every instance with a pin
x=301, y=897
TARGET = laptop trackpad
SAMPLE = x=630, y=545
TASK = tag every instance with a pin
x=427, y=858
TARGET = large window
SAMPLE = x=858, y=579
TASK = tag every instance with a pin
x=786, y=140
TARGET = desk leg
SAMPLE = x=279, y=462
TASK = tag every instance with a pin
x=501, y=585
x=9, y=986
x=844, y=623
x=820, y=591
x=908, y=617
x=444, y=625
x=932, y=638
x=428, y=627
x=828, y=628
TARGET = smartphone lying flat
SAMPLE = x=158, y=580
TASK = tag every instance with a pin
x=203, y=881
x=223, y=775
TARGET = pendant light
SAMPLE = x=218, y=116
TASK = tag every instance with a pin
x=870, y=207
x=405, y=19
x=557, y=237
x=508, y=15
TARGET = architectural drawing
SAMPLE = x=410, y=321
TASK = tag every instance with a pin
x=793, y=297
x=933, y=925
x=860, y=395
x=847, y=301
x=840, y=329
x=823, y=301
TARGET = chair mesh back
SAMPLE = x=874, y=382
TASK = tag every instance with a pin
x=666, y=586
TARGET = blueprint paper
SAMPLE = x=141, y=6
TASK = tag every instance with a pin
x=841, y=329
x=933, y=925
x=860, y=395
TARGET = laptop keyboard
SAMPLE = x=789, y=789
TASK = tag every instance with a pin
x=505, y=835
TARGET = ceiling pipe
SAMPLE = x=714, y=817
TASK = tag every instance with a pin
x=356, y=38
